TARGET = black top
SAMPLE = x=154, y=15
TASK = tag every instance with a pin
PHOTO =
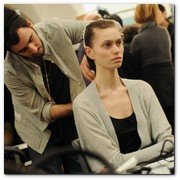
x=126, y=131
x=62, y=129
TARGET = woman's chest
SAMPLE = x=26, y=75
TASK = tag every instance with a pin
x=118, y=105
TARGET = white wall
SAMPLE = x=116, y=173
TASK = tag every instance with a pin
x=40, y=12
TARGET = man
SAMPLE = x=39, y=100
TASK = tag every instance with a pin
x=42, y=73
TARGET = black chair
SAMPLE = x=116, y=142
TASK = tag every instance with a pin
x=18, y=154
x=11, y=167
x=17, y=160
x=69, y=150
x=82, y=159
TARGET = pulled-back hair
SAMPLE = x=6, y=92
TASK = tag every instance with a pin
x=145, y=13
x=89, y=34
x=12, y=22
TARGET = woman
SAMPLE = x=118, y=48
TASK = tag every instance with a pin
x=117, y=118
x=152, y=51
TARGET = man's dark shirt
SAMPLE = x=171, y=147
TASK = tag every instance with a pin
x=62, y=129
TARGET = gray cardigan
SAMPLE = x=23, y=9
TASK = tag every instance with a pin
x=97, y=134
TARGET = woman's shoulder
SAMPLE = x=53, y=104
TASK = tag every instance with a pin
x=134, y=81
x=139, y=88
x=137, y=84
x=87, y=94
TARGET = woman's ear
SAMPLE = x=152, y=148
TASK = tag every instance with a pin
x=89, y=52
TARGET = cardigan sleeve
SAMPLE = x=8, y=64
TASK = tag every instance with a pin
x=160, y=127
x=162, y=138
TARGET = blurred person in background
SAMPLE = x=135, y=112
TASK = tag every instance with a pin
x=116, y=18
x=126, y=70
x=152, y=49
x=164, y=22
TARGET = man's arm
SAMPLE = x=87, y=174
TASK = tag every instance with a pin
x=73, y=29
x=60, y=110
x=30, y=103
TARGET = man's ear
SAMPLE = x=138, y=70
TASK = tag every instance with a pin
x=30, y=24
x=89, y=52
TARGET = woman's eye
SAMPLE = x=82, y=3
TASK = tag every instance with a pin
x=119, y=42
x=107, y=45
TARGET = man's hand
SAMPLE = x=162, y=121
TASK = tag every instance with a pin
x=86, y=71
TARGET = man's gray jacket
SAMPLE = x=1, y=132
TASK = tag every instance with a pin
x=24, y=79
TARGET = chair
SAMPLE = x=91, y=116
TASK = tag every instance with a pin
x=18, y=154
x=11, y=167
x=69, y=150
x=82, y=159
x=17, y=160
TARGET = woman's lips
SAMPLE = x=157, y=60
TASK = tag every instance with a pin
x=117, y=59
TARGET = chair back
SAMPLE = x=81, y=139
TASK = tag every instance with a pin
x=82, y=159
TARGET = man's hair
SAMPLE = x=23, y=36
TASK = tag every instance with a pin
x=145, y=13
x=12, y=22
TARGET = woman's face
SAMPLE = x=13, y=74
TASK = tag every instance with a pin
x=160, y=17
x=107, y=48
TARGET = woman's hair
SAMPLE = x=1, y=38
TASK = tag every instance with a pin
x=145, y=13
x=89, y=34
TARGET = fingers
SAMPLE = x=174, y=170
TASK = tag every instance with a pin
x=90, y=76
x=86, y=71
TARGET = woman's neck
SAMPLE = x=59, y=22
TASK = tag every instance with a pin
x=108, y=80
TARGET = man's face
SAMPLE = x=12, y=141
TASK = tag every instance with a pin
x=29, y=45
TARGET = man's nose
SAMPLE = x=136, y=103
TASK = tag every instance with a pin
x=33, y=48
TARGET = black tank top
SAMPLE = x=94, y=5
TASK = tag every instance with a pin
x=126, y=131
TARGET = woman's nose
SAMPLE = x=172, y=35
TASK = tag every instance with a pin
x=116, y=50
